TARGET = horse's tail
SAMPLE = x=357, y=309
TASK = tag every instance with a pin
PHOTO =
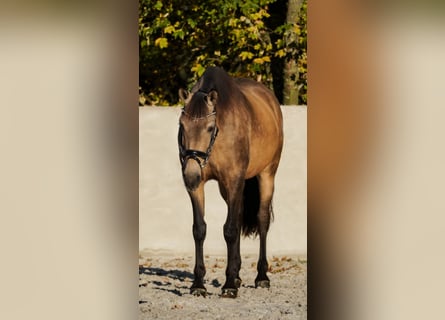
x=251, y=199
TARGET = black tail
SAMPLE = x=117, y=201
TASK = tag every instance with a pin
x=251, y=199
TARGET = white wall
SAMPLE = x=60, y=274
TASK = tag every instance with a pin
x=165, y=212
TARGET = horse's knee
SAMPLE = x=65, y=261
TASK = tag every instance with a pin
x=199, y=231
x=231, y=232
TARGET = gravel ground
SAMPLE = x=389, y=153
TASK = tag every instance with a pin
x=164, y=282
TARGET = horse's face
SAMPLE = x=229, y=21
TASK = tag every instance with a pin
x=198, y=121
x=196, y=134
x=197, y=126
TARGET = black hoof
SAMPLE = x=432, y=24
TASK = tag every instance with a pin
x=198, y=292
x=229, y=293
x=262, y=284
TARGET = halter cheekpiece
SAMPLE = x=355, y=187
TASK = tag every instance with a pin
x=199, y=156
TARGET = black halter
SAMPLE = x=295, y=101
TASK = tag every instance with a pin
x=199, y=156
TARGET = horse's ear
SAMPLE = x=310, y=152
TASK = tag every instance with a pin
x=212, y=97
x=183, y=94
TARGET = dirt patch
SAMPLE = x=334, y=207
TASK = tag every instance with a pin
x=164, y=285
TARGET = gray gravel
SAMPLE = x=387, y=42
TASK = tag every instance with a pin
x=164, y=283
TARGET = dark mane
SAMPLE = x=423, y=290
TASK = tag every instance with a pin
x=217, y=79
x=197, y=107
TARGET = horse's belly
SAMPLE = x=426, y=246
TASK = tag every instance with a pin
x=261, y=157
x=252, y=171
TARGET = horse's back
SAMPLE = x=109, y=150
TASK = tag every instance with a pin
x=266, y=125
x=263, y=102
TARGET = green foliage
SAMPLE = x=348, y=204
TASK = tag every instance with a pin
x=301, y=54
x=179, y=39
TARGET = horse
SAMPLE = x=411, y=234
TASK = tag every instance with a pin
x=231, y=131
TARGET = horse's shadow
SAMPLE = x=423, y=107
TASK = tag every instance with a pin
x=175, y=274
x=163, y=284
x=172, y=274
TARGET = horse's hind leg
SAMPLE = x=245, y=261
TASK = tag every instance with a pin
x=266, y=184
x=199, y=234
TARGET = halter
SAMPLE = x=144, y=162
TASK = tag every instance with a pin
x=199, y=156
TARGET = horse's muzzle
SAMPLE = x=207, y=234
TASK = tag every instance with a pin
x=191, y=173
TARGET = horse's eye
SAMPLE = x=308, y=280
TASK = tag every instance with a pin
x=210, y=129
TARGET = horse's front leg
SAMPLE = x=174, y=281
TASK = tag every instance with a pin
x=199, y=234
x=232, y=231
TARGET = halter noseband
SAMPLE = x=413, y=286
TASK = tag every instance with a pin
x=199, y=156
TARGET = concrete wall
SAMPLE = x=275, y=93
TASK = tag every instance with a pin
x=165, y=212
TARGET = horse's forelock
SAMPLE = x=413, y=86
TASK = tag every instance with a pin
x=197, y=106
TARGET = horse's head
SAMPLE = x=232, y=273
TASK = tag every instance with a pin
x=197, y=134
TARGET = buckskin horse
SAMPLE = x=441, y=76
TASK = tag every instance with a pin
x=231, y=130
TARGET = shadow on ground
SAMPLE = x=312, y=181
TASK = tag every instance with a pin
x=173, y=274
x=164, y=284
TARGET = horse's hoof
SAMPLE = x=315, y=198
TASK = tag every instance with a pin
x=229, y=293
x=198, y=292
x=262, y=284
x=238, y=282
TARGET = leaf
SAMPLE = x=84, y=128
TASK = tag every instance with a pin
x=179, y=34
x=169, y=29
x=246, y=55
x=233, y=22
x=198, y=69
x=253, y=35
x=158, y=5
x=258, y=60
x=259, y=23
x=280, y=53
x=192, y=23
x=161, y=43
